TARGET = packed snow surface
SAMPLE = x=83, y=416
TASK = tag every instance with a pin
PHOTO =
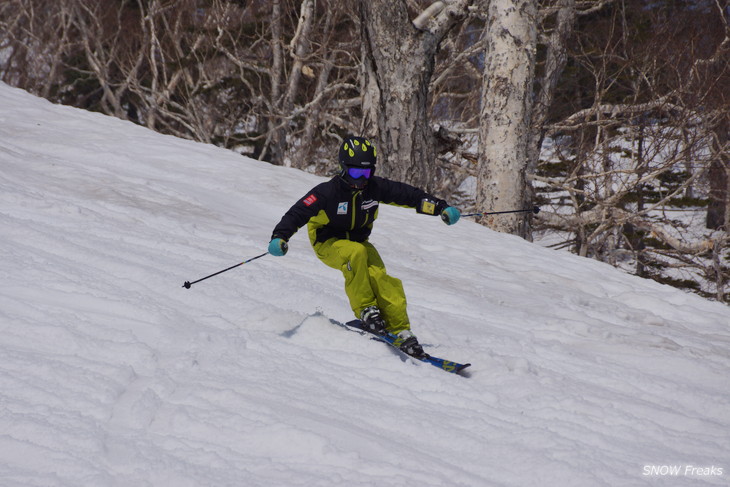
x=113, y=374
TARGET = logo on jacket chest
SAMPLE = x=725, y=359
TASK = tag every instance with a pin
x=343, y=206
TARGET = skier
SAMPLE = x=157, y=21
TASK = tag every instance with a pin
x=339, y=215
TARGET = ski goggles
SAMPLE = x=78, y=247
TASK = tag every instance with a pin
x=359, y=172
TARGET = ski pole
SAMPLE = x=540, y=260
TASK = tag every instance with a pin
x=188, y=283
x=534, y=209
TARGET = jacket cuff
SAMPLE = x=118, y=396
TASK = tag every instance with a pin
x=431, y=206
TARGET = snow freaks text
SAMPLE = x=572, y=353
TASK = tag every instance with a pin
x=682, y=471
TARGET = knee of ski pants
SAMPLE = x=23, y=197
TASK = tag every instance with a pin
x=350, y=258
x=340, y=253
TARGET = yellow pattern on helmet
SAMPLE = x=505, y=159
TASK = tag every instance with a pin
x=349, y=153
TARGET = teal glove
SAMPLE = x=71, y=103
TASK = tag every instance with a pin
x=450, y=215
x=278, y=247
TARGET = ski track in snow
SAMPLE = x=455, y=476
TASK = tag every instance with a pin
x=112, y=374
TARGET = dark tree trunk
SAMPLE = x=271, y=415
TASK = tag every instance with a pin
x=398, y=61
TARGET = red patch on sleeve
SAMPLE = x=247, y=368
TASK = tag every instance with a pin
x=310, y=199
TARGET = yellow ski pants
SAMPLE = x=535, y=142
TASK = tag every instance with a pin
x=366, y=281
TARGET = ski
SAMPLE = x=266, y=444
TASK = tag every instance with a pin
x=389, y=338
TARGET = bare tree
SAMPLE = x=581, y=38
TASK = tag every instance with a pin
x=300, y=76
x=627, y=164
x=398, y=62
x=35, y=37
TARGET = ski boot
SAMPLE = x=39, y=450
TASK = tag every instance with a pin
x=408, y=343
x=372, y=321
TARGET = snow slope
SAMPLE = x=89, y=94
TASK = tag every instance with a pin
x=113, y=374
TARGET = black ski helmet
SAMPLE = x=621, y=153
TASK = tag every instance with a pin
x=357, y=152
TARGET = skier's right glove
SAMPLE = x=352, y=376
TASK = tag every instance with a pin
x=278, y=247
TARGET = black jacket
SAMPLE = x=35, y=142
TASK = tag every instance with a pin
x=334, y=209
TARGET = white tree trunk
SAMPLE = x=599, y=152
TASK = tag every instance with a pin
x=506, y=109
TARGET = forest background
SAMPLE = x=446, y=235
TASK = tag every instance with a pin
x=613, y=116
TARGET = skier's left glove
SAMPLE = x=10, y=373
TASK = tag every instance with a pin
x=450, y=215
x=278, y=247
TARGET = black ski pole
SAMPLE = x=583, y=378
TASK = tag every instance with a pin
x=188, y=283
x=534, y=209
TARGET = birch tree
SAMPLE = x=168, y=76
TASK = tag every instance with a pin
x=506, y=108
